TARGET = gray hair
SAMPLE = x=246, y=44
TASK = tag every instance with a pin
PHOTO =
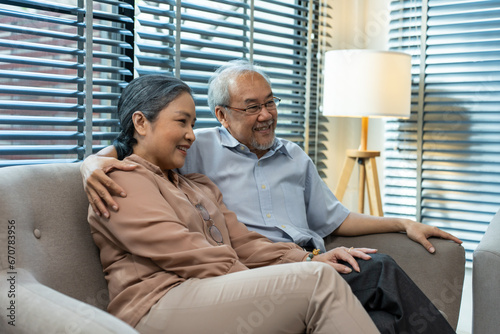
x=218, y=85
x=150, y=94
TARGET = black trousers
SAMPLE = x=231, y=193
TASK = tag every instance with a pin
x=393, y=301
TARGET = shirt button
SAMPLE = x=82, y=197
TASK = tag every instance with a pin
x=263, y=186
x=268, y=215
x=283, y=226
x=242, y=147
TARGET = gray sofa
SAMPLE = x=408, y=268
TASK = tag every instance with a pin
x=53, y=281
x=486, y=281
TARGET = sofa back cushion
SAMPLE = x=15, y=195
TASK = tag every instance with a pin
x=47, y=206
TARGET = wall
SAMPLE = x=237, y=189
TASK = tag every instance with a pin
x=357, y=24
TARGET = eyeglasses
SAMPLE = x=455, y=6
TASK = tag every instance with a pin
x=256, y=108
x=212, y=229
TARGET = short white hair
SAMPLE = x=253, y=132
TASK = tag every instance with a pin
x=218, y=85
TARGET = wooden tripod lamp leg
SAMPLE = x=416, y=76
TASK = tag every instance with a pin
x=361, y=185
x=367, y=174
x=344, y=177
x=373, y=187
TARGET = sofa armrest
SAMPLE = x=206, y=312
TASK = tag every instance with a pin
x=485, y=283
x=440, y=275
x=35, y=308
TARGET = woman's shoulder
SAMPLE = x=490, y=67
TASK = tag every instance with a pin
x=203, y=182
x=199, y=179
x=141, y=172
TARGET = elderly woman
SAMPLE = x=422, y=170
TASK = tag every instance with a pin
x=177, y=260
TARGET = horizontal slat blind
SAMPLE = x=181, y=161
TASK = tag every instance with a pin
x=461, y=153
x=322, y=40
x=42, y=76
x=214, y=32
x=280, y=45
x=461, y=118
x=401, y=142
x=211, y=33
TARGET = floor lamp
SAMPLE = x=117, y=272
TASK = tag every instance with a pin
x=366, y=83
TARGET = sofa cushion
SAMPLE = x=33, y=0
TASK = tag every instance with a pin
x=48, y=208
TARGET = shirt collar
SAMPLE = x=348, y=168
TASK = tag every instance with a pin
x=226, y=139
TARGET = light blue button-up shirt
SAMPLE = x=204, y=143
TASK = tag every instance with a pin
x=280, y=195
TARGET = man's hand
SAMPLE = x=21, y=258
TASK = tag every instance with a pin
x=360, y=224
x=335, y=255
x=98, y=186
x=420, y=233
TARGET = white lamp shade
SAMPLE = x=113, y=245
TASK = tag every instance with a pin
x=367, y=83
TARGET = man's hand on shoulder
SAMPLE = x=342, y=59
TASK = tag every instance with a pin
x=98, y=186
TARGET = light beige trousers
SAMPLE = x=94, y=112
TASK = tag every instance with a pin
x=306, y=297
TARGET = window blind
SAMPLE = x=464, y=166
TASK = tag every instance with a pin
x=451, y=145
x=42, y=77
x=42, y=80
x=271, y=33
x=280, y=45
x=321, y=34
x=209, y=33
x=401, y=142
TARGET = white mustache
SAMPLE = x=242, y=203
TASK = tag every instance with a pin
x=265, y=125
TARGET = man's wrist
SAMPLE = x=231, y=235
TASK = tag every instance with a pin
x=403, y=224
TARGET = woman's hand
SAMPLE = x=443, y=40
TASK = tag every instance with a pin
x=334, y=256
x=98, y=186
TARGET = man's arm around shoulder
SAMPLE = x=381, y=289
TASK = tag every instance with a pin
x=97, y=185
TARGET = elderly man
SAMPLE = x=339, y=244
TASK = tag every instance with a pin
x=275, y=189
